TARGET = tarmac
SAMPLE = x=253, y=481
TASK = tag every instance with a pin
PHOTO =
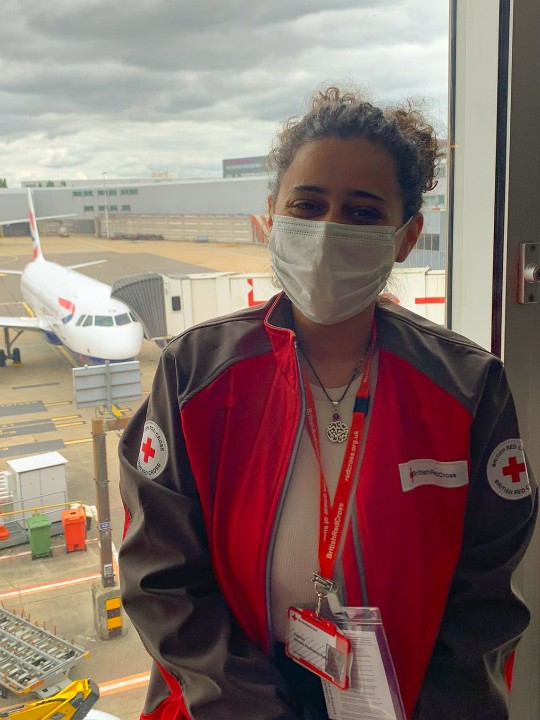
x=38, y=413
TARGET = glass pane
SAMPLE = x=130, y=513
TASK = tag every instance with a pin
x=122, y=319
x=148, y=125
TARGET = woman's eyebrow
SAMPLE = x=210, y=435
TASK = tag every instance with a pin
x=353, y=193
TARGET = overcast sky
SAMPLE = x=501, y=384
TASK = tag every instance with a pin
x=142, y=86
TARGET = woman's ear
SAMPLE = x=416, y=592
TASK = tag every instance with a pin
x=411, y=235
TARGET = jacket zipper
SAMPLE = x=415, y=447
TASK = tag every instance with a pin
x=277, y=516
x=357, y=542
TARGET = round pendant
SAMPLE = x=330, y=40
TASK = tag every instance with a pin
x=337, y=431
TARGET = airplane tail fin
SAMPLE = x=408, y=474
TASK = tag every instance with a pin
x=36, y=242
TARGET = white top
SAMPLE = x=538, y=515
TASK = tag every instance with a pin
x=295, y=556
x=36, y=462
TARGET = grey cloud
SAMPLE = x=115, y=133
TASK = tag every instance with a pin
x=87, y=74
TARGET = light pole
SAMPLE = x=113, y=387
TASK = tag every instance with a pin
x=104, y=174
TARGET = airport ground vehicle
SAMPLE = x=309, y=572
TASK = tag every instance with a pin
x=72, y=703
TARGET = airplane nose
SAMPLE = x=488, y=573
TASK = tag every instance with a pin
x=128, y=341
x=124, y=343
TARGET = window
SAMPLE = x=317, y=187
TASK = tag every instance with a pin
x=113, y=208
x=133, y=191
x=88, y=208
x=77, y=193
x=80, y=320
x=132, y=316
x=428, y=241
x=176, y=303
x=104, y=321
x=101, y=192
x=126, y=208
x=434, y=201
x=88, y=321
x=88, y=193
x=122, y=319
x=111, y=192
x=102, y=208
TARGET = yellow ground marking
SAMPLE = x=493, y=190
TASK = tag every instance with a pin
x=77, y=442
x=116, y=411
x=37, y=421
x=67, y=356
x=28, y=309
x=59, y=402
x=71, y=424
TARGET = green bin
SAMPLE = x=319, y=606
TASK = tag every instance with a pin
x=39, y=535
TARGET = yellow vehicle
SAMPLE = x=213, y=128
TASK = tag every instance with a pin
x=71, y=703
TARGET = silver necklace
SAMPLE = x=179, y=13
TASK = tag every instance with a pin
x=337, y=431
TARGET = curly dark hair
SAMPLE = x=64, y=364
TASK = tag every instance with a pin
x=401, y=130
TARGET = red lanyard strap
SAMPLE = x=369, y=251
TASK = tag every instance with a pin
x=332, y=516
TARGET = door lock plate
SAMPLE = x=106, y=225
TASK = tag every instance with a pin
x=529, y=273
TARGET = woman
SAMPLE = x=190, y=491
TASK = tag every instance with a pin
x=222, y=482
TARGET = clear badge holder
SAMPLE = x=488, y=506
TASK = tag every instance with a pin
x=373, y=691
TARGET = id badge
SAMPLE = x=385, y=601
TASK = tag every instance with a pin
x=318, y=645
x=373, y=690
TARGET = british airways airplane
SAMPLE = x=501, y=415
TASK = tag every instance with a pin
x=71, y=309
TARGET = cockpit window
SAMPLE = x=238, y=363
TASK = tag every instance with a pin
x=87, y=321
x=132, y=316
x=80, y=320
x=103, y=321
x=122, y=319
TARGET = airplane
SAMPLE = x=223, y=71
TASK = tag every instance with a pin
x=71, y=309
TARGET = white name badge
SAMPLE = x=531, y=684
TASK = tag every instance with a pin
x=373, y=691
x=318, y=645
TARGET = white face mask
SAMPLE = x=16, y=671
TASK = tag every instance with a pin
x=331, y=271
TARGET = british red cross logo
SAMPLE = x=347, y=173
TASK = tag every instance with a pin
x=147, y=450
x=514, y=469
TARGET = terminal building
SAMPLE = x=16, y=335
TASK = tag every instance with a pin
x=228, y=209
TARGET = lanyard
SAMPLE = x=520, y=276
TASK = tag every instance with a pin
x=332, y=515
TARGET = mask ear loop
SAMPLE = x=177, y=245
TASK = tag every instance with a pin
x=400, y=229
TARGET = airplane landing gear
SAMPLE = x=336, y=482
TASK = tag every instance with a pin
x=10, y=353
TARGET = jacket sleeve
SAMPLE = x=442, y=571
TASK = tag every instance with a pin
x=210, y=670
x=485, y=615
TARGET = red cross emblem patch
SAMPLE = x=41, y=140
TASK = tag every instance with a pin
x=507, y=470
x=153, y=452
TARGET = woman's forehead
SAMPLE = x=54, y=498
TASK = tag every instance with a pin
x=339, y=164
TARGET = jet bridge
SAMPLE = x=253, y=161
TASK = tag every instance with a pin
x=145, y=295
x=166, y=305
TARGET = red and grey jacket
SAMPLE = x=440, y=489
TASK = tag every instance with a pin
x=443, y=513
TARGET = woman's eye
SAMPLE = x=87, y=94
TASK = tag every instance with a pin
x=365, y=214
x=304, y=205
